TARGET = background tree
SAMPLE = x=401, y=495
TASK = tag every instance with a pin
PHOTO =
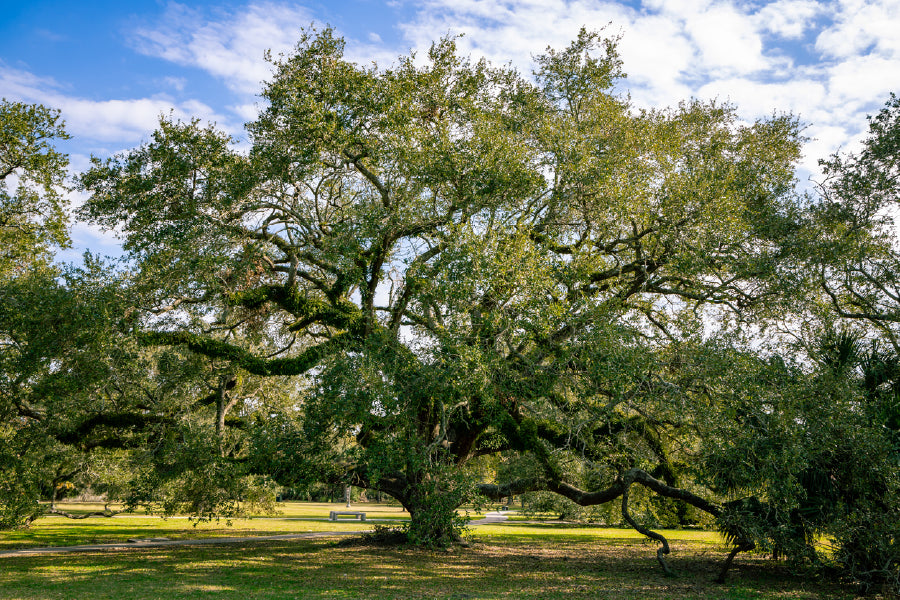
x=80, y=403
x=33, y=222
x=856, y=222
x=86, y=405
x=33, y=216
x=852, y=247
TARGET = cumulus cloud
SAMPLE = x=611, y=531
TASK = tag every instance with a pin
x=177, y=83
x=859, y=79
x=860, y=27
x=725, y=39
x=121, y=122
x=789, y=19
x=114, y=119
x=862, y=51
x=764, y=98
x=662, y=70
x=230, y=46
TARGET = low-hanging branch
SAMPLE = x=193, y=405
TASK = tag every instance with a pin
x=584, y=498
x=79, y=434
x=618, y=489
x=663, y=550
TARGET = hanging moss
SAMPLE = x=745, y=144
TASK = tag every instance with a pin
x=339, y=313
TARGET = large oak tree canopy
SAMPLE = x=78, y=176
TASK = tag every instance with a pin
x=466, y=259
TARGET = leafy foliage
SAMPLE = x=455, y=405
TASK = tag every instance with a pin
x=463, y=262
x=33, y=217
x=441, y=279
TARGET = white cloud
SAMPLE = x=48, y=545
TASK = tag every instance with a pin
x=23, y=86
x=727, y=40
x=247, y=112
x=761, y=98
x=231, y=48
x=125, y=122
x=177, y=83
x=678, y=7
x=365, y=54
x=860, y=79
x=789, y=19
x=862, y=27
x=825, y=141
x=659, y=69
x=113, y=120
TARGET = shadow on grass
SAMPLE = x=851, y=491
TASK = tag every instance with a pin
x=321, y=569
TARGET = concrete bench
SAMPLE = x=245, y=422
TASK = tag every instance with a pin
x=346, y=513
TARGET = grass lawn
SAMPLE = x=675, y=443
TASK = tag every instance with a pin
x=510, y=560
x=291, y=517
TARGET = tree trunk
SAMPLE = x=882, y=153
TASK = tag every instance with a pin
x=434, y=524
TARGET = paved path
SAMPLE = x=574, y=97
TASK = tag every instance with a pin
x=491, y=517
x=156, y=542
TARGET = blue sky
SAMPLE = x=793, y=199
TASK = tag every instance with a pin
x=114, y=67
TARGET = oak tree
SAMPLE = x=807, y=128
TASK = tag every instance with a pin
x=463, y=261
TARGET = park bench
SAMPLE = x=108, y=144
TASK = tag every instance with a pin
x=346, y=513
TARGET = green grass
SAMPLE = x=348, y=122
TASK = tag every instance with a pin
x=292, y=518
x=510, y=560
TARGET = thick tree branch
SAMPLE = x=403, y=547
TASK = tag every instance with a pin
x=211, y=348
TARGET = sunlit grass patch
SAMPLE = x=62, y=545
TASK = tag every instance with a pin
x=523, y=567
x=509, y=560
x=58, y=531
x=514, y=530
